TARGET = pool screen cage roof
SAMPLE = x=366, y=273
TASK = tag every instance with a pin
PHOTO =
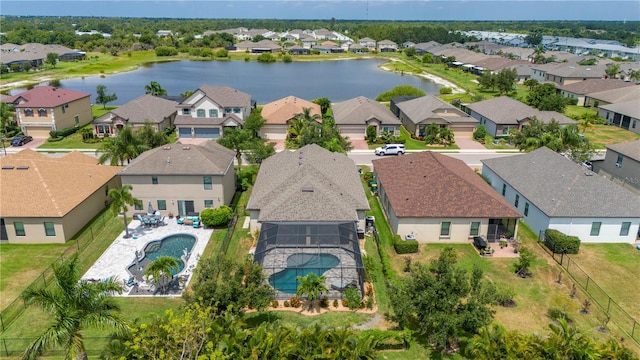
x=329, y=249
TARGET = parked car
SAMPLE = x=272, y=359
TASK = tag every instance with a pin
x=20, y=140
x=390, y=149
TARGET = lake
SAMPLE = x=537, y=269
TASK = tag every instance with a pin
x=337, y=80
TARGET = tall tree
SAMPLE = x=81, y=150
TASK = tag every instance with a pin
x=160, y=270
x=52, y=59
x=75, y=305
x=324, y=103
x=612, y=71
x=505, y=80
x=104, y=98
x=487, y=80
x=154, y=89
x=7, y=116
x=150, y=137
x=545, y=97
x=124, y=147
x=121, y=199
x=236, y=139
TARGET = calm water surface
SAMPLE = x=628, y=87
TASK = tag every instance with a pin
x=336, y=80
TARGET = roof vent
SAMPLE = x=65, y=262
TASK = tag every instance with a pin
x=7, y=167
x=186, y=147
x=166, y=148
x=307, y=189
x=168, y=159
x=588, y=173
x=24, y=167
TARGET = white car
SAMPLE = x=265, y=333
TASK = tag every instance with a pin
x=390, y=149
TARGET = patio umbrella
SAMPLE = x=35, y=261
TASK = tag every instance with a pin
x=150, y=211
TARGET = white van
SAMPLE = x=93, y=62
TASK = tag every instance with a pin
x=390, y=149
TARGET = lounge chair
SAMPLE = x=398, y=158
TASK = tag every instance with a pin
x=342, y=286
x=196, y=224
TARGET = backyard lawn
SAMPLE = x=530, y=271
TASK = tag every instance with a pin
x=603, y=135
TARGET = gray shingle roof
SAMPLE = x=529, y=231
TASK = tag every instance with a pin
x=505, y=110
x=310, y=184
x=226, y=96
x=359, y=110
x=561, y=188
x=209, y=158
x=617, y=95
x=425, y=107
x=630, y=108
x=146, y=107
x=594, y=85
x=630, y=149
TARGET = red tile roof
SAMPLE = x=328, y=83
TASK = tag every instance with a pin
x=45, y=97
x=432, y=185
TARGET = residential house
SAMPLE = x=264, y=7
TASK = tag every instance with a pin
x=35, y=54
x=47, y=199
x=210, y=109
x=308, y=41
x=502, y=114
x=624, y=114
x=353, y=117
x=159, y=112
x=46, y=108
x=621, y=165
x=324, y=34
x=565, y=74
x=387, y=46
x=579, y=90
x=258, y=47
x=164, y=33
x=408, y=44
x=278, y=115
x=416, y=114
x=423, y=48
x=437, y=198
x=596, y=99
x=358, y=49
x=309, y=203
x=553, y=192
x=182, y=179
x=298, y=50
x=369, y=43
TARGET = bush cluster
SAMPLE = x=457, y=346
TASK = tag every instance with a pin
x=166, y=51
x=63, y=133
x=216, y=217
x=561, y=243
x=404, y=246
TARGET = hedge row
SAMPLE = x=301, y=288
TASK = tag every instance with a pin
x=63, y=133
x=404, y=246
x=561, y=243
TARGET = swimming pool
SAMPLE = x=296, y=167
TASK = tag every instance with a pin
x=300, y=265
x=176, y=246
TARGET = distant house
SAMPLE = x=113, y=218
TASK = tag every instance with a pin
x=565, y=74
x=278, y=115
x=624, y=114
x=158, y=111
x=502, y=114
x=354, y=116
x=258, y=47
x=369, y=43
x=387, y=46
x=182, y=179
x=621, y=165
x=35, y=54
x=416, y=114
x=596, y=99
x=48, y=200
x=209, y=110
x=553, y=192
x=46, y=108
x=308, y=41
x=164, y=33
x=358, y=49
x=579, y=90
x=298, y=50
x=437, y=198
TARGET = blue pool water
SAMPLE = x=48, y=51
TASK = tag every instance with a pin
x=172, y=245
x=301, y=265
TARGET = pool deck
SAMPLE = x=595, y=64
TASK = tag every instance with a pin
x=113, y=263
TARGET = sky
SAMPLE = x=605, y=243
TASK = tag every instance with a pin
x=408, y=10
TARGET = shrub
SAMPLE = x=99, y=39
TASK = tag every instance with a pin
x=504, y=297
x=64, y=132
x=247, y=58
x=222, y=53
x=335, y=303
x=369, y=290
x=286, y=303
x=353, y=298
x=287, y=58
x=404, y=246
x=295, y=302
x=266, y=58
x=371, y=134
x=369, y=302
x=166, y=51
x=445, y=90
x=55, y=139
x=216, y=217
x=480, y=133
x=560, y=243
x=324, y=302
x=275, y=304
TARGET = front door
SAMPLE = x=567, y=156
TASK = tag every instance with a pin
x=185, y=207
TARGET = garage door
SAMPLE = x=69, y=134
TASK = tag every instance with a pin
x=207, y=133
x=184, y=132
x=353, y=132
x=273, y=132
x=38, y=131
x=463, y=130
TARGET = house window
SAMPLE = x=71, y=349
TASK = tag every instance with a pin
x=186, y=111
x=208, y=203
x=64, y=108
x=106, y=190
x=445, y=228
x=19, y=226
x=526, y=209
x=76, y=119
x=49, y=229
x=504, y=189
x=595, y=228
x=28, y=112
x=475, y=228
x=633, y=125
x=389, y=129
x=213, y=113
x=517, y=201
x=228, y=110
x=200, y=112
x=162, y=204
x=42, y=112
x=206, y=181
x=138, y=205
x=154, y=180
x=237, y=110
x=624, y=229
x=619, y=161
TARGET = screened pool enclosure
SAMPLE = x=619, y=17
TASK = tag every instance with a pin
x=287, y=250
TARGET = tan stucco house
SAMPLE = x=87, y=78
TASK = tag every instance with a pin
x=48, y=200
x=159, y=112
x=438, y=198
x=46, y=108
x=182, y=179
x=416, y=114
x=353, y=117
x=279, y=113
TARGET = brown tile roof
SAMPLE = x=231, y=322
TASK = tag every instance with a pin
x=45, y=97
x=432, y=185
x=47, y=186
x=282, y=110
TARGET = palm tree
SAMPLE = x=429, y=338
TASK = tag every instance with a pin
x=121, y=198
x=160, y=270
x=75, y=305
x=236, y=139
x=431, y=133
x=311, y=285
x=125, y=146
x=154, y=89
x=586, y=123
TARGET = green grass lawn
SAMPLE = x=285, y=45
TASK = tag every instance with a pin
x=603, y=135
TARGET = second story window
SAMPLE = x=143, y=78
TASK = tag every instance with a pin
x=186, y=111
x=42, y=112
x=28, y=112
x=213, y=113
x=201, y=113
x=206, y=181
x=154, y=180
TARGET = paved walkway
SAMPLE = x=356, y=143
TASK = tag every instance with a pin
x=113, y=263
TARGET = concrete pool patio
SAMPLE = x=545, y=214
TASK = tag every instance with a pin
x=115, y=260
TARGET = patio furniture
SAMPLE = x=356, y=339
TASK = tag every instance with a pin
x=196, y=224
x=180, y=221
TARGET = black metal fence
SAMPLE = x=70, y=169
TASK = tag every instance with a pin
x=607, y=304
